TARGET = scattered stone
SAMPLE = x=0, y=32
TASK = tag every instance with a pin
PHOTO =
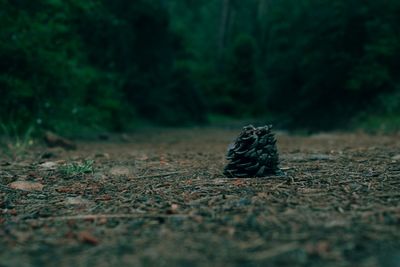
x=396, y=157
x=142, y=157
x=77, y=201
x=26, y=186
x=173, y=209
x=49, y=165
x=120, y=171
x=88, y=238
x=54, y=140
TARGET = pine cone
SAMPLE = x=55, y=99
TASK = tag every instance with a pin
x=253, y=154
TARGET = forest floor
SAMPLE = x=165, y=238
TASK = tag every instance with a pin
x=158, y=198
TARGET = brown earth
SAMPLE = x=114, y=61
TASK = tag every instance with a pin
x=158, y=198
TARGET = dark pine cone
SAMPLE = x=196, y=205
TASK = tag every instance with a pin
x=253, y=154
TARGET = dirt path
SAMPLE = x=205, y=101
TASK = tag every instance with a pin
x=158, y=198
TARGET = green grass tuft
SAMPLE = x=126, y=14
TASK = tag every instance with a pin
x=77, y=169
x=13, y=143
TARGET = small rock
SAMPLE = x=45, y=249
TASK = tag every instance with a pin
x=142, y=157
x=26, y=186
x=396, y=157
x=77, y=201
x=49, y=165
x=120, y=171
x=88, y=238
x=173, y=209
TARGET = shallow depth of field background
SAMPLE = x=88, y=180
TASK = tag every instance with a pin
x=115, y=65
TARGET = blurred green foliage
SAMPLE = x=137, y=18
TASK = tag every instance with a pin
x=331, y=60
x=107, y=65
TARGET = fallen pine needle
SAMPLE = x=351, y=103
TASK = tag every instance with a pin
x=160, y=175
x=278, y=185
x=108, y=216
x=267, y=254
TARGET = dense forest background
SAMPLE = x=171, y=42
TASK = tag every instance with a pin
x=69, y=65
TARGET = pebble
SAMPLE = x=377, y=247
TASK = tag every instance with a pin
x=396, y=157
x=26, y=186
x=120, y=171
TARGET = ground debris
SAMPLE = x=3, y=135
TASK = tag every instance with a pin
x=54, y=140
x=396, y=157
x=87, y=237
x=161, y=199
x=26, y=186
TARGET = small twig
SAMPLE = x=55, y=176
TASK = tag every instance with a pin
x=267, y=254
x=160, y=175
x=108, y=216
x=278, y=185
